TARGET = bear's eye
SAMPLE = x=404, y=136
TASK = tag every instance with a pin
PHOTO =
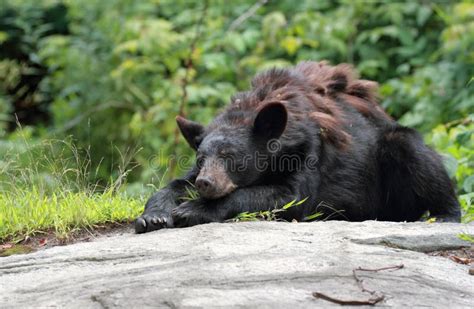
x=226, y=153
x=200, y=161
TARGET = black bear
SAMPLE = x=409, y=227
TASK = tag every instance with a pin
x=313, y=132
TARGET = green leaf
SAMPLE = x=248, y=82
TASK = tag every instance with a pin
x=468, y=185
x=464, y=137
x=451, y=164
x=466, y=237
x=313, y=216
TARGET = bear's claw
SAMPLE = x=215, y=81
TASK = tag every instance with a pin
x=147, y=223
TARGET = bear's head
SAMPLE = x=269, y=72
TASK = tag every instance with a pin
x=234, y=153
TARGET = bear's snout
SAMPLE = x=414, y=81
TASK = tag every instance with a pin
x=213, y=181
x=206, y=186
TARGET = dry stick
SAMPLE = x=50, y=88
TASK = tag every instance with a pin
x=371, y=301
x=251, y=11
x=360, y=282
x=185, y=81
x=395, y=267
x=189, y=60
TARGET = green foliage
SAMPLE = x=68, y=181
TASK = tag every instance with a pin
x=54, y=166
x=440, y=90
x=109, y=76
x=456, y=142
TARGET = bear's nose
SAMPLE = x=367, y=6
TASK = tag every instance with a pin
x=204, y=185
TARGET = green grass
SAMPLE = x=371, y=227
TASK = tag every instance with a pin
x=45, y=187
x=272, y=214
x=27, y=213
x=191, y=193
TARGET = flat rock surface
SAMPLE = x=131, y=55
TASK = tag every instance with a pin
x=255, y=264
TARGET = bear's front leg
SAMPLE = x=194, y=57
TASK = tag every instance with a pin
x=157, y=213
x=196, y=212
x=250, y=199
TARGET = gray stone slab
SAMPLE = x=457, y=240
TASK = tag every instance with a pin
x=256, y=264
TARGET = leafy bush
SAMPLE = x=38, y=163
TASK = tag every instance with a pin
x=456, y=142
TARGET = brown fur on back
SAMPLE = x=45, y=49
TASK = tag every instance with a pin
x=311, y=89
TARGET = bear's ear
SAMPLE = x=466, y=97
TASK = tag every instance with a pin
x=271, y=121
x=191, y=131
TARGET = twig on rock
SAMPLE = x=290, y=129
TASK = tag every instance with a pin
x=395, y=267
x=360, y=282
x=376, y=296
x=370, y=301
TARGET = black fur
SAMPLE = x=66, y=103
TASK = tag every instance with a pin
x=348, y=158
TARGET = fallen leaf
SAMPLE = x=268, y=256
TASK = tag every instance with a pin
x=43, y=242
x=460, y=260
